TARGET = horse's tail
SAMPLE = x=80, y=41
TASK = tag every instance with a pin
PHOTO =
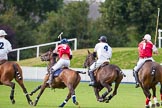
x=17, y=73
x=153, y=72
x=81, y=72
x=120, y=71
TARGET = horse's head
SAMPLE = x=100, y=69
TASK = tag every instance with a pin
x=89, y=60
x=48, y=56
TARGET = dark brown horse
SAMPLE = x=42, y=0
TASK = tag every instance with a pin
x=68, y=78
x=11, y=70
x=105, y=76
x=150, y=75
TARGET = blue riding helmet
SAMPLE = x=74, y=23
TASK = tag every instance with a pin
x=103, y=39
x=64, y=41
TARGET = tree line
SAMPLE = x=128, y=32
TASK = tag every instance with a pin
x=32, y=22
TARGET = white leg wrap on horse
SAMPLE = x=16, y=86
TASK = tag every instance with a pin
x=150, y=103
x=155, y=100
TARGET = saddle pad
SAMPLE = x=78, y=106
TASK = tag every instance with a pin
x=57, y=72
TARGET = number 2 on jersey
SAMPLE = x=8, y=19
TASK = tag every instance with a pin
x=1, y=45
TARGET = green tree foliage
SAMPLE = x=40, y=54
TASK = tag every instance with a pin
x=19, y=32
x=33, y=9
x=76, y=14
x=130, y=19
x=72, y=20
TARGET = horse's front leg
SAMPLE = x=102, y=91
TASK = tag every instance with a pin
x=156, y=103
x=41, y=92
x=35, y=90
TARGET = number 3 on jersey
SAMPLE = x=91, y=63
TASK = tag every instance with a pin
x=1, y=45
x=106, y=47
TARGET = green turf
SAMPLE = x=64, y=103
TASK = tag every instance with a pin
x=127, y=97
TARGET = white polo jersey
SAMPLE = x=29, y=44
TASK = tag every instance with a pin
x=5, y=48
x=104, y=51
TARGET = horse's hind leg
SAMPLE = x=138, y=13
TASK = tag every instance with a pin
x=156, y=103
x=70, y=94
x=12, y=85
x=109, y=89
x=148, y=96
x=114, y=92
x=66, y=100
x=20, y=82
x=161, y=93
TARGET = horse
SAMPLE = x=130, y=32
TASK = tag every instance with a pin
x=10, y=70
x=67, y=78
x=105, y=76
x=150, y=74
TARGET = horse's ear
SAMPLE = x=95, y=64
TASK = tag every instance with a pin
x=88, y=52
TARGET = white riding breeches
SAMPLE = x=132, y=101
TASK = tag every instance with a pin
x=140, y=62
x=97, y=64
x=61, y=63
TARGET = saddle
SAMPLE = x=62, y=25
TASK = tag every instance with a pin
x=58, y=71
x=102, y=65
x=153, y=68
x=2, y=61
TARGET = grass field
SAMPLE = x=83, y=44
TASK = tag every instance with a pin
x=127, y=97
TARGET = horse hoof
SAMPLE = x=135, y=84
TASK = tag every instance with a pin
x=13, y=101
x=100, y=99
x=31, y=94
x=30, y=103
x=34, y=104
x=153, y=106
x=107, y=101
x=157, y=104
x=76, y=103
x=147, y=106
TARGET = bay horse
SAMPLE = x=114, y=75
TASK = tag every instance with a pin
x=105, y=76
x=150, y=75
x=10, y=70
x=67, y=78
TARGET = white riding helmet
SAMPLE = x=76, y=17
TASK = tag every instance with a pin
x=2, y=33
x=147, y=37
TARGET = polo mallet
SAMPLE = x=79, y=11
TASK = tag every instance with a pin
x=157, y=25
x=59, y=36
